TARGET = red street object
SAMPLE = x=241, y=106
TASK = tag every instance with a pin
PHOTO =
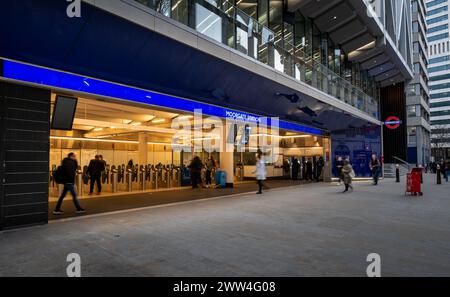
x=413, y=182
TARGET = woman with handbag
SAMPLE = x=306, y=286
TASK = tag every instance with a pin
x=348, y=174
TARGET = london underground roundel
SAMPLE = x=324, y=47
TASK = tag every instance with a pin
x=392, y=122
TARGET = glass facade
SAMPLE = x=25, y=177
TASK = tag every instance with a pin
x=288, y=42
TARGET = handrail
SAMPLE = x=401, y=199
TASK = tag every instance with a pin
x=403, y=162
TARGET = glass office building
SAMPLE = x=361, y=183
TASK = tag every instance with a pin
x=328, y=73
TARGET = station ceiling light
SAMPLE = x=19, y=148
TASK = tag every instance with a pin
x=93, y=139
x=185, y=117
x=156, y=121
x=282, y=137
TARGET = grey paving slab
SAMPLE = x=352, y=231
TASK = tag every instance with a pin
x=307, y=230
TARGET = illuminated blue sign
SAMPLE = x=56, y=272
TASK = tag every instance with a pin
x=63, y=80
x=236, y=115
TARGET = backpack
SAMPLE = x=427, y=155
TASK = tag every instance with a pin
x=58, y=175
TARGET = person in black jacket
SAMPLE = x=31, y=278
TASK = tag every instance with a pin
x=295, y=169
x=95, y=169
x=309, y=170
x=319, y=165
x=69, y=166
x=375, y=168
x=196, y=171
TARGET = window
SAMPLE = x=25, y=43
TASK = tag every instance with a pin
x=435, y=2
x=440, y=95
x=437, y=19
x=412, y=132
x=208, y=23
x=440, y=86
x=439, y=59
x=411, y=110
x=437, y=10
x=440, y=104
x=438, y=37
x=439, y=68
x=437, y=29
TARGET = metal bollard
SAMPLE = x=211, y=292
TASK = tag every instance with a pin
x=397, y=173
x=129, y=180
x=143, y=185
x=114, y=180
x=79, y=183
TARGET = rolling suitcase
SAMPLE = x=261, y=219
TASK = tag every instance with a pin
x=221, y=179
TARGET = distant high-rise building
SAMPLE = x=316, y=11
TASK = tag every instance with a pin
x=418, y=96
x=439, y=70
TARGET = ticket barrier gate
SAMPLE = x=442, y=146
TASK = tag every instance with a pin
x=79, y=182
x=122, y=179
x=165, y=176
x=239, y=173
x=175, y=173
x=129, y=179
x=154, y=177
x=114, y=179
x=142, y=178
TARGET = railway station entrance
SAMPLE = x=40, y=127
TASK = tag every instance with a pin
x=136, y=143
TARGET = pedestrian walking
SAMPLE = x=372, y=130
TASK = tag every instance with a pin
x=447, y=170
x=348, y=174
x=295, y=169
x=195, y=167
x=95, y=169
x=320, y=164
x=210, y=167
x=375, y=168
x=260, y=173
x=66, y=175
x=309, y=170
x=339, y=166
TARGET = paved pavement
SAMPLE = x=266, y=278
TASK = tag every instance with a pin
x=108, y=203
x=308, y=230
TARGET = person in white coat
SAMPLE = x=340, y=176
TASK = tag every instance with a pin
x=260, y=172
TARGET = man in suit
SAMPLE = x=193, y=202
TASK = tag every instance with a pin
x=95, y=169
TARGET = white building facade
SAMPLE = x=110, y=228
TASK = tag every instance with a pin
x=418, y=95
x=438, y=20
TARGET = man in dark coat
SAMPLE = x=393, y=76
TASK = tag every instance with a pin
x=196, y=172
x=295, y=169
x=319, y=165
x=95, y=169
x=69, y=168
x=309, y=170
